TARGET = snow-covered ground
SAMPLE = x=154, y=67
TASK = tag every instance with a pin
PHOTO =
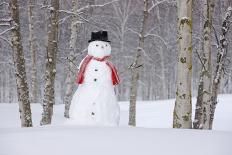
x=152, y=136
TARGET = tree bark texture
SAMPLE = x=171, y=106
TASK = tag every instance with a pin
x=70, y=79
x=50, y=71
x=183, y=105
x=136, y=68
x=203, y=106
x=19, y=65
x=221, y=58
x=207, y=71
x=32, y=48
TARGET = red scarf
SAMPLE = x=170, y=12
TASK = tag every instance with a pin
x=80, y=75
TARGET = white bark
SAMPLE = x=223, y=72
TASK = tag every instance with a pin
x=71, y=68
x=136, y=67
x=163, y=77
x=19, y=64
x=207, y=71
x=204, y=89
x=32, y=48
x=50, y=71
x=162, y=58
x=183, y=105
x=221, y=58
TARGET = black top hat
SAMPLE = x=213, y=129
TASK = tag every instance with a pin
x=99, y=36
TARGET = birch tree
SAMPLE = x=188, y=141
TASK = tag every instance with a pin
x=50, y=71
x=19, y=65
x=222, y=48
x=183, y=105
x=136, y=67
x=32, y=48
x=72, y=68
x=71, y=58
x=203, y=105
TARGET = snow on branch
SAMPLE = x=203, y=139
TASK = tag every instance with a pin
x=133, y=31
x=157, y=36
x=5, y=31
x=156, y=4
x=5, y=20
x=63, y=19
x=6, y=40
x=96, y=5
x=4, y=24
x=4, y=3
x=223, y=46
x=83, y=8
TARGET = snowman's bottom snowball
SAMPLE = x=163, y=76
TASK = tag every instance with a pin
x=94, y=106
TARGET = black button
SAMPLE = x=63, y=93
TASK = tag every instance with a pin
x=95, y=80
x=93, y=113
x=96, y=70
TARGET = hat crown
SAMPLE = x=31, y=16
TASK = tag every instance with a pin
x=99, y=36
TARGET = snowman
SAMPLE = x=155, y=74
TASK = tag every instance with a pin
x=95, y=102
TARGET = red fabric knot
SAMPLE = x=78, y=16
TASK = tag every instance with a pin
x=87, y=59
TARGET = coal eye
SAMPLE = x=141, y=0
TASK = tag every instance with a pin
x=97, y=45
x=106, y=44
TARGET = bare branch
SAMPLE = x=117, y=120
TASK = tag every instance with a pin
x=4, y=3
x=5, y=20
x=156, y=4
x=157, y=36
x=215, y=34
x=97, y=5
x=73, y=13
x=6, y=40
x=80, y=53
x=71, y=61
x=63, y=19
x=133, y=31
x=199, y=57
x=5, y=31
x=4, y=24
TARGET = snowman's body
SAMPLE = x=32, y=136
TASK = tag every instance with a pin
x=94, y=102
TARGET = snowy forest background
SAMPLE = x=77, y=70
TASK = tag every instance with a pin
x=122, y=20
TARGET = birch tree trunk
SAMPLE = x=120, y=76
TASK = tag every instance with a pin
x=221, y=58
x=50, y=72
x=136, y=67
x=197, y=123
x=204, y=94
x=162, y=57
x=70, y=79
x=183, y=105
x=19, y=65
x=207, y=71
x=198, y=109
x=32, y=49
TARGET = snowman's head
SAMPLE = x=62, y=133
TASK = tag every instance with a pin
x=99, y=49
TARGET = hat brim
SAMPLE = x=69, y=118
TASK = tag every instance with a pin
x=99, y=40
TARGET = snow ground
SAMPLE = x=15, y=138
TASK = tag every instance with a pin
x=152, y=136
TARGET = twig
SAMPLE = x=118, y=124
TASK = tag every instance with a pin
x=71, y=62
x=159, y=37
x=97, y=5
x=4, y=24
x=5, y=20
x=198, y=55
x=4, y=3
x=5, y=31
x=156, y=4
x=133, y=31
x=63, y=19
x=6, y=40
x=215, y=34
